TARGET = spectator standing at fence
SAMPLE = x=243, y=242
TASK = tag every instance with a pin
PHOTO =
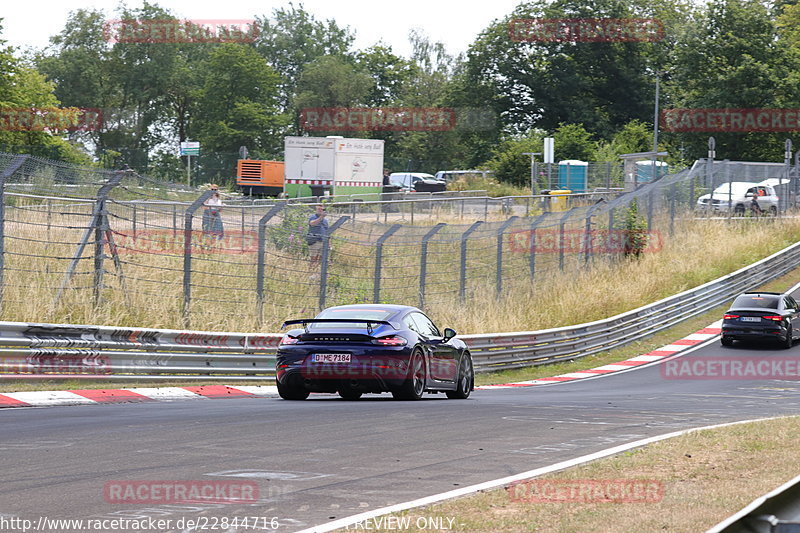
x=212, y=214
x=317, y=231
x=386, y=180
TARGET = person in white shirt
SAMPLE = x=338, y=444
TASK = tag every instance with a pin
x=212, y=215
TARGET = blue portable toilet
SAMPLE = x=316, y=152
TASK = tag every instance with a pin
x=644, y=171
x=573, y=175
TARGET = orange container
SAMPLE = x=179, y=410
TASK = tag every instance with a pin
x=255, y=176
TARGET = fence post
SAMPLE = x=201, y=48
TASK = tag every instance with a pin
x=796, y=181
x=462, y=288
x=9, y=171
x=187, y=252
x=423, y=261
x=174, y=220
x=610, y=237
x=588, y=248
x=376, y=294
x=134, y=219
x=672, y=194
x=532, y=248
x=561, y=227
x=96, y=225
x=503, y=228
x=262, y=236
x=323, y=272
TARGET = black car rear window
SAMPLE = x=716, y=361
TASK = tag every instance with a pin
x=755, y=300
x=375, y=313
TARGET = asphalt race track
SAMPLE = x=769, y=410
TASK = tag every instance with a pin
x=327, y=458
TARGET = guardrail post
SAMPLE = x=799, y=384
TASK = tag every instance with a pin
x=462, y=288
x=323, y=272
x=376, y=294
x=503, y=228
x=187, y=252
x=9, y=171
x=423, y=261
x=262, y=237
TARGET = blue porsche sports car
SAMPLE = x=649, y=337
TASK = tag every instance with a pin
x=357, y=349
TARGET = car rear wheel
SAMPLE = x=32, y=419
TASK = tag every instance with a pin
x=788, y=342
x=414, y=386
x=773, y=210
x=349, y=394
x=726, y=341
x=738, y=210
x=290, y=392
x=466, y=378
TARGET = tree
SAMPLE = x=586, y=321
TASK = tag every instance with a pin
x=25, y=90
x=292, y=38
x=510, y=162
x=390, y=73
x=330, y=81
x=533, y=82
x=732, y=59
x=572, y=141
x=239, y=102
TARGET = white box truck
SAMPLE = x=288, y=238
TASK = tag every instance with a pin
x=316, y=166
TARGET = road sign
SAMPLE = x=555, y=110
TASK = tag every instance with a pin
x=190, y=148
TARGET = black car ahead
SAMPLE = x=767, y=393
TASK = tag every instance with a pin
x=762, y=315
x=357, y=349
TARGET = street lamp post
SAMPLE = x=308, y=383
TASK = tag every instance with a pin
x=533, y=170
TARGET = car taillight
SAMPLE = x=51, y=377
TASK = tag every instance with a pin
x=776, y=318
x=392, y=340
x=726, y=317
x=288, y=339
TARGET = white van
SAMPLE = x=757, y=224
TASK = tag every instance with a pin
x=738, y=195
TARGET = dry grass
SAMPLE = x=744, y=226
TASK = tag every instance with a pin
x=706, y=476
x=223, y=294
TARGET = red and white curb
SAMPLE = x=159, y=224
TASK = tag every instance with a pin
x=671, y=349
x=147, y=394
x=139, y=394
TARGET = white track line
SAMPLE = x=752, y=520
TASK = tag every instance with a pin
x=428, y=500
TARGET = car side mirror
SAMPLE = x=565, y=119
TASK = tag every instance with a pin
x=449, y=333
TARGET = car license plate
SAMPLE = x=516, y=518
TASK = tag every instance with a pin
x=330, y=358
x=750, y=319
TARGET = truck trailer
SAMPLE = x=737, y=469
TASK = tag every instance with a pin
x=320, y=166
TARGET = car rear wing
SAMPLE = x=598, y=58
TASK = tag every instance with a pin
x=306, y=321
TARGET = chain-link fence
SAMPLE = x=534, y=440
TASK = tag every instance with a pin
x=86, y=244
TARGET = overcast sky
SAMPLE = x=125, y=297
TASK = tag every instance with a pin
x=455, y=23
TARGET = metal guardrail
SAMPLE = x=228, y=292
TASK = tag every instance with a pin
x=776, y=512
x=58, y=351
x=502, y=351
